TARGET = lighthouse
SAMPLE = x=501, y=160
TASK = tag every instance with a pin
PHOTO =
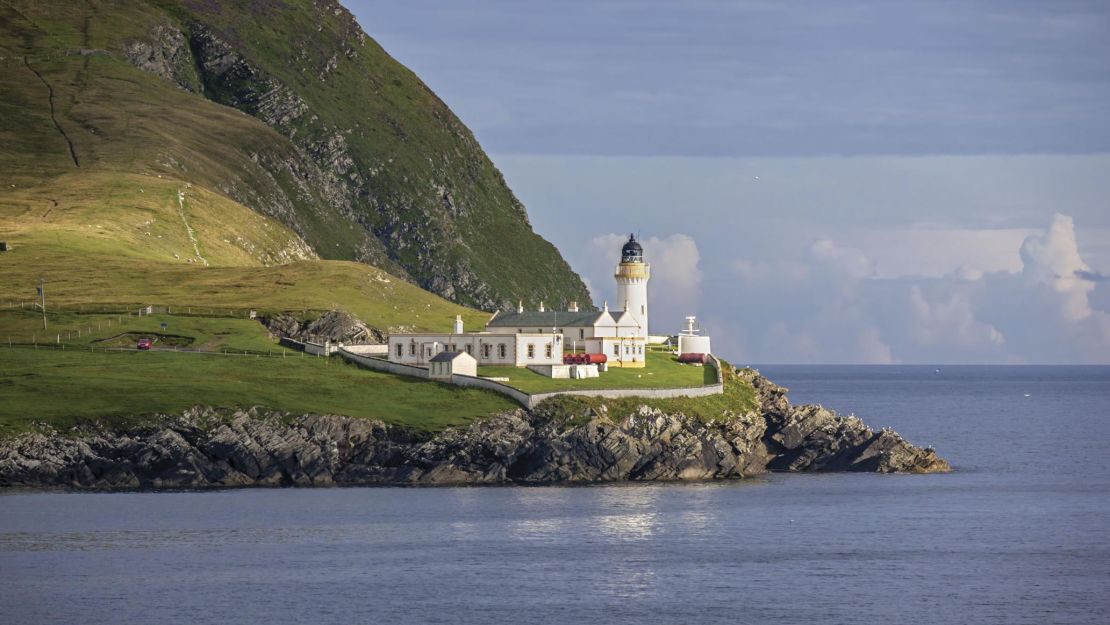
x=632, y=276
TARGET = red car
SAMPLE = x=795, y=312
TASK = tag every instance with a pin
x=145, y=344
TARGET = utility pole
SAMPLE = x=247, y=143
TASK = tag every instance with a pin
x=42, y=295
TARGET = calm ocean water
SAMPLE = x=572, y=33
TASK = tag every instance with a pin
x=1020, y=533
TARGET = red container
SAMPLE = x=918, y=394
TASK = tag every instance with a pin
x=692, y=358
x=584, y=359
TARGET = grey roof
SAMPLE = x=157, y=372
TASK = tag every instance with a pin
x=545, y=319
x=446, y=356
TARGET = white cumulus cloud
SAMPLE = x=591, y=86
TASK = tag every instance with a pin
x=950, y=320
x=1052, y=259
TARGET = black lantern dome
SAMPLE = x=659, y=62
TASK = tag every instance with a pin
x=632, y=252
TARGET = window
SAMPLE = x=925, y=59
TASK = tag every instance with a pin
x=616, y=349
x=468, y=348
x=428, y=351
x=399, y=350
x=520, y=330
x=581, y=333
x=412, y=349
x=501, y=351
x=485, y=351
x=547, y=351
x=531, y=351
x=451, y=347
x=643, y=310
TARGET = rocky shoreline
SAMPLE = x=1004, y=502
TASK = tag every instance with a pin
x=207, y=448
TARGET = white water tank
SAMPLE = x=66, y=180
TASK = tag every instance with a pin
x=691, y=344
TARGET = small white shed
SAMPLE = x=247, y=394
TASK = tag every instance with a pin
x=445, y=364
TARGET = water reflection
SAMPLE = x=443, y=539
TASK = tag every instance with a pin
x=627, y=526
x=541, y=514
x=533, y=529
x=628, y=512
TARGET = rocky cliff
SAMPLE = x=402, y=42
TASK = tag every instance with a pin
x=208, y=448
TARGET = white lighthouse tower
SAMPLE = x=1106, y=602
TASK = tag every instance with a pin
x=632, y=277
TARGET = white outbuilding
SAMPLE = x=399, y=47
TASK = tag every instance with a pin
x=445, y=364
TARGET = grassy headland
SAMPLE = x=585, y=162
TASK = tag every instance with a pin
x=65, y=388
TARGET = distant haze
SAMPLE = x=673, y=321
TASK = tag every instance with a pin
x=819, y=182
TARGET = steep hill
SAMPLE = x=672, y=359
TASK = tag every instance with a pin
x=282, y=106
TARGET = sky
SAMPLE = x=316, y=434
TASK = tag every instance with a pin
x=850, y=182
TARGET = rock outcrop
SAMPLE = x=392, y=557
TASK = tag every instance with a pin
x=208, y=448
x=333, y=325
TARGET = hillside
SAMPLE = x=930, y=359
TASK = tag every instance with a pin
x=109, y=110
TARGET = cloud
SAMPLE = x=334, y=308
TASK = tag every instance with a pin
x=843, y=261
x=951, y=320
x=871, y=349
x=1052, y=259
x=812, y=307
x=830, y=306
x=1091, y=276
x=933, y=251
x=761, y=271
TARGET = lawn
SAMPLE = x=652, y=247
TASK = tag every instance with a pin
x=662, y=371
x=65, y=388
x=738, y=398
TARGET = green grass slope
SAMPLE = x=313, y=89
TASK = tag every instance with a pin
x=285, y=108
x=102, y=240
x=121, y=388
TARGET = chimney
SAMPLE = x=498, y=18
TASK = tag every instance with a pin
x=520, y=306
x=607, y=306
x=541, y=306
x=573, y=307
x=458, y=324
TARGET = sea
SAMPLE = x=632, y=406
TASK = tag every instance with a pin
x=1018, y=533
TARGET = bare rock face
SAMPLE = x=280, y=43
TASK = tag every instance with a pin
x=334, y=325
x=208, y=448
x=165, y=53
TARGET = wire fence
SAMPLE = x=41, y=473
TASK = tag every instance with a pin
x=239, y=353
x=104, y=322
x=142, y=309
x=80, y=322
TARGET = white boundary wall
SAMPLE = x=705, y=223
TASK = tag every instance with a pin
x=366, y=350
x=379, y=364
